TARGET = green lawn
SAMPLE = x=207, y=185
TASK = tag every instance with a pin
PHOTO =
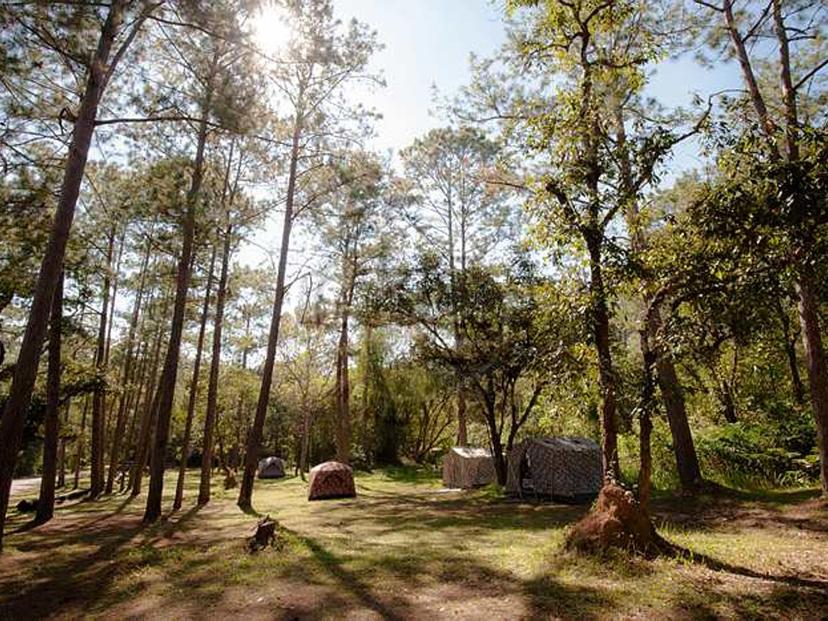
x=405, y=549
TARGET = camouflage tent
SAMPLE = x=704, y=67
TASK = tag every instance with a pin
x=468, y=467
x=331, y=479
x=559, y=467
x=271, y=468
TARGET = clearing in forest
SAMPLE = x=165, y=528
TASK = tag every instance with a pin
x=405, y=549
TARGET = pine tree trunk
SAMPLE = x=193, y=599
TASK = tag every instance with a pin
x=343, y=393
x=191, y=403
x=99, y=396
x=25, y=373
x=166, y=387
x=61, y=476
x=79, y=444
x=254, y=439
x=46, y=502
x=215, y=364
x=147, y=424
x=126, y=377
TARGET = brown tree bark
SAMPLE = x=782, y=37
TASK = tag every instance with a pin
x=61, y=472
x=46, y=501
x=79, y=442
x=789, y=340
x=817, y=369
x=254, y=439
x=343, y=393
x=606, y=373
x=191, y=403
x=20, y=392
x=228, y=196
x=645, y=472
x=215, y=364
x=147, y=423
x=99, y=396
x=127, y=377
x=805, y=288
x=687, y=461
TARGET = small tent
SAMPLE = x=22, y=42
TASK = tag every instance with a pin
x=271, y=468
x=468, y=467
x=555, y=467
x=331, y=479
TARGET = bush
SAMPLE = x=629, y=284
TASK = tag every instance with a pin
x=751, y=454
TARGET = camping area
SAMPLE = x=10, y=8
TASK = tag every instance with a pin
x=405, y=549
x=413, y=309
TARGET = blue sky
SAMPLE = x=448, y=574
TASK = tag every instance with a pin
x=428, y=42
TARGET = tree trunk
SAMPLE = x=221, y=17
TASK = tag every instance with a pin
x=215, y=363
x=79, y=444
x=606, y=373
x=166, y=387
x=25, y=372
x=790, y=353
x=817, y=370
x=343, y=393
x=145, y=430
x=191, y=403
x=645, y=472
x=98, y=398
x=61, y=475
x=254, y=439
x=497, y=450
x=126, y=377
x=46, y=502
x=687, y=462
x=805, y=284
x=462, y=427
x=305, y=446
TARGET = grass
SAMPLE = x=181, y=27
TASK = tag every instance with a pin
x=406, y=549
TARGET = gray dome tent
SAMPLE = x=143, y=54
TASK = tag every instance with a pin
x=555, y=467
x=271, y=468
x=468, y=467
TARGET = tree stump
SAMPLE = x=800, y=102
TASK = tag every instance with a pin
x=265, y=535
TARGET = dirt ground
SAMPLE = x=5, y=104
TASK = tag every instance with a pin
x=405, y=549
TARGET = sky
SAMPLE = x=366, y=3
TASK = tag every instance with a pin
x=428, y=44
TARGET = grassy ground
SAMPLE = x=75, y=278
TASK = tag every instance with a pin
x=405, y=549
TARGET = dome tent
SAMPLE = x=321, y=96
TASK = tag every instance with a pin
x=468, y=467
x=555, y=467
x=331, y=479
x=271, y=468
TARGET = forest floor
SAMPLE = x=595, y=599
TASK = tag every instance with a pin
x=405, y=549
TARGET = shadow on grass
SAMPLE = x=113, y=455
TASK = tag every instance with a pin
x=715, y=564
x=453, y=579
x=351, y=582
x=731, y=508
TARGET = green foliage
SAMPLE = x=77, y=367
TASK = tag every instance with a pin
x=766, y=453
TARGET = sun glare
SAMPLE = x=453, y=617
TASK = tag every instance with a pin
x=271, y=30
